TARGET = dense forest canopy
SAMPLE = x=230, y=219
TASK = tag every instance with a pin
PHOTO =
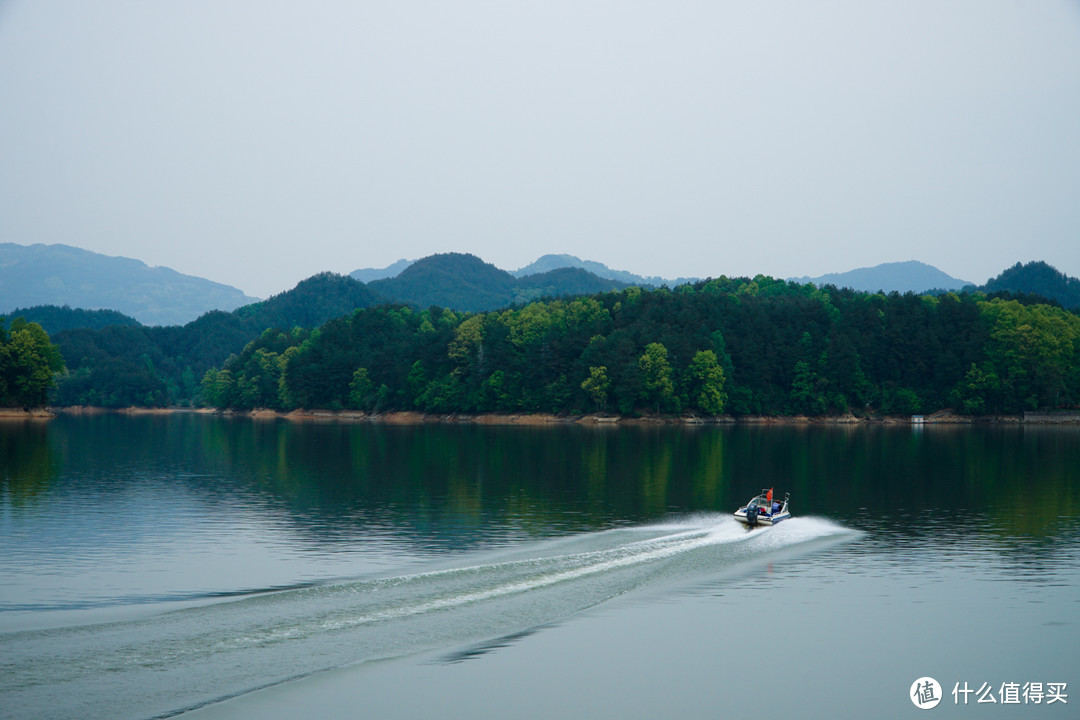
x=114, y=366
x=744, y=346
x=118, y=366
x=740, y=346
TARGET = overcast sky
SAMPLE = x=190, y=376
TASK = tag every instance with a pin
x=257, y=143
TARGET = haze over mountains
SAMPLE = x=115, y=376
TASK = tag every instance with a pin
x=465, y=282
x=63, y=275
x=910, y=276
x=366, y=275
x=543, y=264
x=60, y=275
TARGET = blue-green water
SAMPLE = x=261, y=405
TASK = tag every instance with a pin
x=152, y=566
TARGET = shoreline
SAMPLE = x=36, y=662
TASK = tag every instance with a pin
x=544, y=419
x=26, y=414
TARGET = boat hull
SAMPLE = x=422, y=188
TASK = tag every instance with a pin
x=762, y=520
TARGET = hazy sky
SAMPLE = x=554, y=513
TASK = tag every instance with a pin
x=257, y=143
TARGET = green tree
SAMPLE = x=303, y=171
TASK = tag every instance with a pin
x=217, y=388
x=979, y=391
x=707, y=382
x=808, y=386
x=417, y=380
x=807, y=390
x=901, y=401
x=360, y=389
x=29, y=363
x=284, y=392
x=468, y=343
x=1032, y=348
x=596, y=386
x=495, y=395
x=657, y=388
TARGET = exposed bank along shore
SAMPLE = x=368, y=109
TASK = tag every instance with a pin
x=944, y=417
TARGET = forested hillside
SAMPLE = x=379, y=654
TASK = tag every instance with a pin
x=53, y=318
x=1038, y=278
x=155, y=366
x=562, y=282
x=465, y=282
x=728, y=345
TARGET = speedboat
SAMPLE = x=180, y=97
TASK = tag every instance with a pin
x=764, y=510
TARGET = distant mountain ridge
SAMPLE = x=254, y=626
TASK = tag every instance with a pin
x=554, y=262
x=909, y=276
x=37, y=280
x=543, y=264
x=465, y=282
x=34, y=275
x=366, y=275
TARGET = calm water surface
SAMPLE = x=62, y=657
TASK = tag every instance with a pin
x=211, y=567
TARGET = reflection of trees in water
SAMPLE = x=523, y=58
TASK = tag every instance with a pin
x=27, y=465
x=431, y=481
x=1029, y=477
x=466, y=473
x=450, y=475
x=1021, y=478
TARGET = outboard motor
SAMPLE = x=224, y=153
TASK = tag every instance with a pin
x=751, y=515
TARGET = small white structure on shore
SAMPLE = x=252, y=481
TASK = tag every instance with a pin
x=917, y=420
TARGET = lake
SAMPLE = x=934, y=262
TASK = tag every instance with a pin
x=207, y=567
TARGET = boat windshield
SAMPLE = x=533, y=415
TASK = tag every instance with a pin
x=762, y=501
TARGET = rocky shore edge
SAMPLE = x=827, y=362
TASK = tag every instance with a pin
x=945, y=417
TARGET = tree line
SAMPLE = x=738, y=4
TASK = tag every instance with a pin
x=742, y=346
